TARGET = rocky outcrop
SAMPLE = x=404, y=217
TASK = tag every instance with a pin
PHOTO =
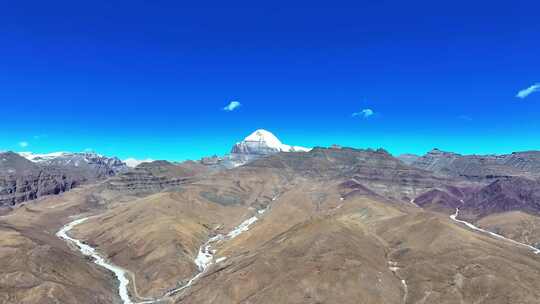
x=27, y=176
x=156, y=176
x=480, y=167
x=528, y=161
x=86, y=164
x=408, y=158
x=21, y=180
x=436, y=160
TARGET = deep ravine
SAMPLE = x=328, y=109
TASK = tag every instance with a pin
x=99, y=260
x=204, y=259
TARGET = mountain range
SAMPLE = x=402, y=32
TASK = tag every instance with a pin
x=271, y=223
x=26, y=176
x=478, y=167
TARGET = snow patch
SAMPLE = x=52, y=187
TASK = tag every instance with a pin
x=205, y=257
x=219, y=260
x=243, y=227
x=412, y=202
x=393, y=266
x=405, y=290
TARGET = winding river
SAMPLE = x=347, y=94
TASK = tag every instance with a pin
x=454, y=218
x=98, y=259
x=204, y=259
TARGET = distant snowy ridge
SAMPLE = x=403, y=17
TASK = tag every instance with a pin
x=36, y=157
x=89, y=161
x=132, y=162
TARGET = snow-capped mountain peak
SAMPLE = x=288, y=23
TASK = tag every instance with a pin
x=266, y=138
x=262, y=142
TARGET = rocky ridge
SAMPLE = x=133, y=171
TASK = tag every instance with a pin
x=90, y=164
x=501, y=195
x=22, y=180
x=151, y=177
x=26, y=176
x=376, y=170
x=481, y=167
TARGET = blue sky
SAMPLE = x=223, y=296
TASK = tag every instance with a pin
x=150, y=79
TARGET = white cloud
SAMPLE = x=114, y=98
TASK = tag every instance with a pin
x=365, y=113
x=132, y=162
x=23, y=144
x=465, y=117
x=233, y=105
x=528, y=91
x=40, y=136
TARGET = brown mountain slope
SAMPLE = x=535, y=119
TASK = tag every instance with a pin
x=345, y=256
x=158, y=237
x=516, y=225
x=37, y=267
x=446, y=263
x=501, y=195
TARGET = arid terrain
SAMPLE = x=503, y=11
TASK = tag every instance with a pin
x=188, y=152
x=327, y=225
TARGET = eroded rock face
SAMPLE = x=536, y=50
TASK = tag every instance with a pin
x=155, y=176
x=528, y=161
x=436, y=160
x=21, y=180
x=28, y=176
x=481, y=167
x=408, y=158
x=88, y=164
